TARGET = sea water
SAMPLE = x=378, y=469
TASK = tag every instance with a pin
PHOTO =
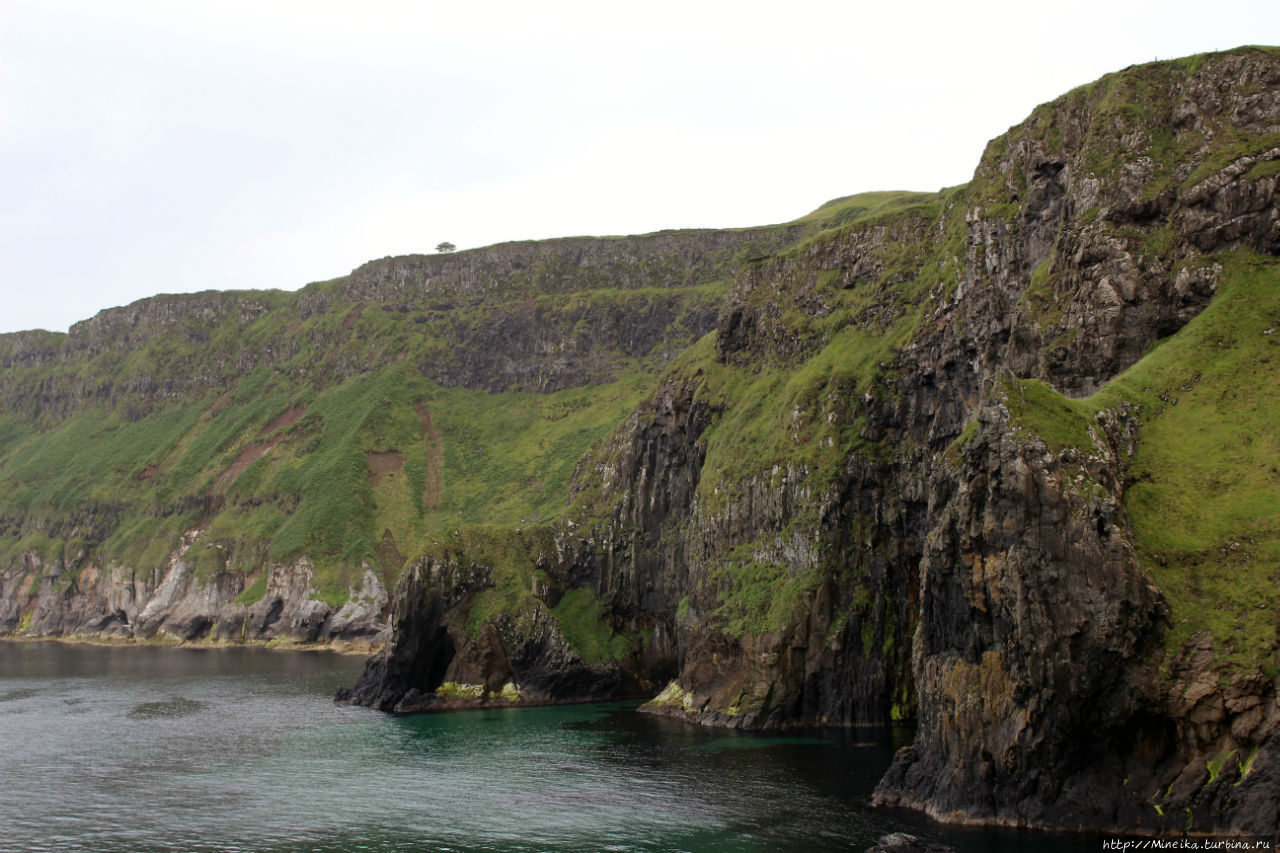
x=177, y=749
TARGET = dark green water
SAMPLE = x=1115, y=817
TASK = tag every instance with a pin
x=163, y=749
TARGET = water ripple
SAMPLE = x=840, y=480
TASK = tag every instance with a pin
x=174, y=706
x=167, y=750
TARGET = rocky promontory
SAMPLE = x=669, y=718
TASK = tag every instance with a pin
x=927, y=467
x=996, y=461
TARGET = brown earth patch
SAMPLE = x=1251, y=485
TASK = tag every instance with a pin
x=381, y=465
x=220, y=403
x=435, y=458
x=352, y=315
x=246, y=457
x=345, y=326
x=288, y=417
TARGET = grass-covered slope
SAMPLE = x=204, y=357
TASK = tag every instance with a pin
x=355, y=423
x=273, y=475
x=1204, y=485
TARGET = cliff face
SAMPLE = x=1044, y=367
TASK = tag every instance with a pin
x=259, y=466
x=931, y=464
x=1053, y=654
x=998, y=460
x=532, y=316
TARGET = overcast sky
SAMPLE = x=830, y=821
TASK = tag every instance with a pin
x=182, y=145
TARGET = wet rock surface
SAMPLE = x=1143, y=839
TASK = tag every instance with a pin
x=901, y=842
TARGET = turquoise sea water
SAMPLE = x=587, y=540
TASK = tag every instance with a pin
x=174, y=749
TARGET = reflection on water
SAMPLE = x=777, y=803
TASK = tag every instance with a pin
x=163, y=749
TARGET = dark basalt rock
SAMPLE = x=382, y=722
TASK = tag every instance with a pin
x=971, y=577
x=431, y=644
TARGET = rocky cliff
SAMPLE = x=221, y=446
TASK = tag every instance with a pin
x=998, y=460
x=231, y=466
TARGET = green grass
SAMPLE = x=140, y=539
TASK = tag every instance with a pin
x=584, y=626
x=798, y=415
x=453, y=691
x=800, y=418
x=510, y=555
x=851, y=208
x=1039, y=299
x=804, y=411
x=1245, y=766
x=89, y=458
x=1230, y=147
x=1061, y=421
x=1263, y=169
x=1216, y=764
x=125, y=472
x=508, y=458
x=953, y=451
x=505, y=459
x=1205, y=483
x=760, y=596
x=254, y=592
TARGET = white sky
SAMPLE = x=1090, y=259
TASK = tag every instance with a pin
x=181, y=145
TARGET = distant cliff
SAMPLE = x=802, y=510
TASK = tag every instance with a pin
x=259, y=465
x=999, y=461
